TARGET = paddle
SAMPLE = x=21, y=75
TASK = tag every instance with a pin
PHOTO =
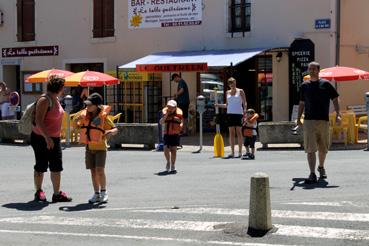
x=218, y=139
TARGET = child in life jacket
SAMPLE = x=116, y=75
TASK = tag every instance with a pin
x=249, y=132
x=95, y=129
x=172, y=122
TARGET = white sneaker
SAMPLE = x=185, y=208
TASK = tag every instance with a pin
x=95, y=198
x=104, y=196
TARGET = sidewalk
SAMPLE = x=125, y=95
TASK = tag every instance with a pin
x=192, y=143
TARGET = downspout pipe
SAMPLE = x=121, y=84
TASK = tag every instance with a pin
x=338, y=30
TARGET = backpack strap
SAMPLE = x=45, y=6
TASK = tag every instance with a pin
x=48, y=109
x=49, y=99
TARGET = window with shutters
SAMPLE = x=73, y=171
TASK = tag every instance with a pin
x=25, y=20
x=240, y=15
x=103, y=18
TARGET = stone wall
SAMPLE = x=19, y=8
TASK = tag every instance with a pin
x=9, y=132
x=135, y=133
x=279, y=133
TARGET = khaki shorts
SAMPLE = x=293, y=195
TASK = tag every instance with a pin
x=95, y=158
x=316, y=136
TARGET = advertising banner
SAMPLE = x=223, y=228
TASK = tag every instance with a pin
x=163, y=13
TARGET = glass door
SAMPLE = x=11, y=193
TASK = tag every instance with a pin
x=265, y=86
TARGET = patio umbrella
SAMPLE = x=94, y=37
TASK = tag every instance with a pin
x=44, y=76
x=340, y=74
x=90, y=79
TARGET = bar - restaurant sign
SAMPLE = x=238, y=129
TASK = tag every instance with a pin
x=164, y=13
x=187, y=67
x=31, y=51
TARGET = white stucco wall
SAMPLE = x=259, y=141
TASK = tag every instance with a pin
x=354, y=49
x=68, y=23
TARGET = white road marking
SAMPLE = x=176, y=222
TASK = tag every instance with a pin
x=122, y=223
x=329, y=204
x=322, y=232
x=361, y=217
x=183, y=240
x=283, y=230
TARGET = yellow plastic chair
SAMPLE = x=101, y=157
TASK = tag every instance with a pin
x=342, y=128
x=63, y=132
x=362, y=123
x=115, y=118
x=73, y=126
x=72, y=130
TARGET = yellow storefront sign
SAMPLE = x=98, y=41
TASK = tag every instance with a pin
x=136, y=76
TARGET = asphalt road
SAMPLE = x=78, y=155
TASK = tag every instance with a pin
x=189, y=208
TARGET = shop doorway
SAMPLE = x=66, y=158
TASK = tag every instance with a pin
x=265, y=86
x=138, y=97
x=209, y=82
x=11, y=76
x=255, y=77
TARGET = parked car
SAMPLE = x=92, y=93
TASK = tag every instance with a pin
x=208, y=89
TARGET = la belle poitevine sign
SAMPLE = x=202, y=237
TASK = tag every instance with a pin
x=163, y=13
x=30, y=51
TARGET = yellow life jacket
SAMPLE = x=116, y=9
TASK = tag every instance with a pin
x=173, y=122
x=92, y=130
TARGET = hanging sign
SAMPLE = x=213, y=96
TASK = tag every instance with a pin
x=187, y=67
x=164, y=13
x=31, y=51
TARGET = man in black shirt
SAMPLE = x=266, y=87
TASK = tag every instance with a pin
x=315, y=96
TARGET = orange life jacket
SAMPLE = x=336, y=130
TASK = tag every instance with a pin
x=250, y=126
x=92, y=130
x=173, y=122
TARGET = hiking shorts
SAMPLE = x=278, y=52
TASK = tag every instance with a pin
x=316, y=136
x=95, y=158
x=46, y=158
x=171, y=140
x=249, y=141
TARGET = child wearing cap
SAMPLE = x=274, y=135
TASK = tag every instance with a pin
x=249, y=132
x=172, y=122
x=95, y=129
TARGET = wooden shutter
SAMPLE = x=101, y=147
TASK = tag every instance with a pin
x=28, y=22
x=233, y=16
x=19, y=20
x=98, y=19
x=108, y=18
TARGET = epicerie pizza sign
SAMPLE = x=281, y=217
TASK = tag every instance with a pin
x=163, y=13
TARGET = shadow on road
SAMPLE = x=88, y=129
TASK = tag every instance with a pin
x=26, y=206
x=165, y=173
x=82, y=207
x=300, y=182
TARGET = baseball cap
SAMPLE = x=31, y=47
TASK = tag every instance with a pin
x=172, y=103
x=250, y=111
x=93, y=99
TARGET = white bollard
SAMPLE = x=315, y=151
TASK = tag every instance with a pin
x=260, y=217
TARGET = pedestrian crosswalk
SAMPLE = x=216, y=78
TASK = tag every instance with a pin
x=199, y=225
